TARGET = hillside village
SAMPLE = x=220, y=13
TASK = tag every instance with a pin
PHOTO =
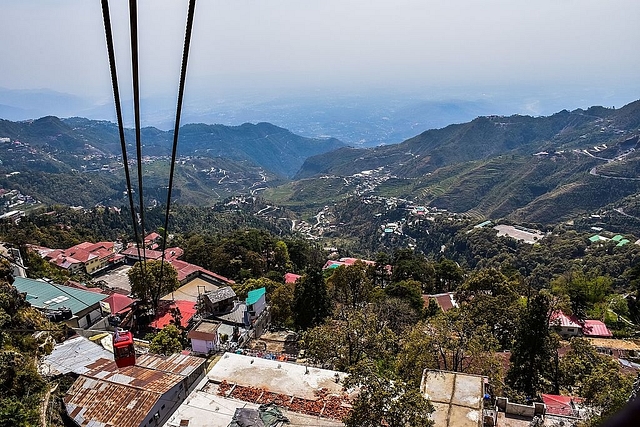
x=237, y=364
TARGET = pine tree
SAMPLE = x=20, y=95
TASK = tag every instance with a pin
x=311, y=303
x=533, y=349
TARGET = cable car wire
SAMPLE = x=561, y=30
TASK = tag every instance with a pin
x=133, y=24
x=176, y=129
x=116, y=95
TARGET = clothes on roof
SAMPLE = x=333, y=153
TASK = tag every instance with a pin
x=265, y=416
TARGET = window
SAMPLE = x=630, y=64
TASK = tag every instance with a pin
x=162, y=407
x=571, y=330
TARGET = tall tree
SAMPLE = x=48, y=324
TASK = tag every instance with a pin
x=350, y=285
x=352, y=336
x=385, y=401
x=491, y=300
x=311, y=301
x=167, y=341
x=409, y=265
x=153, y=281
x=534, y=349
x=281, y=260
x=448, y=275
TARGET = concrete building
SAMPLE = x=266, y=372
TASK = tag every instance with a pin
x=51, y=298
x=456, y=397
x=204, y=337
x=237, y=381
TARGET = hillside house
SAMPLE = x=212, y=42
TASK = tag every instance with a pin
x=204, y=336
x=86, y=257
x=142, y=395
x=290, y=278
x=571, y=326
x=256, y=303
x=219, y=301
x=445, y=301
x=52, y=298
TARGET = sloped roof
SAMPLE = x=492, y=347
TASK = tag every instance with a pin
x=560, y=405
x=221, y=294
x=184, y=269
x=205, y=330
x=558, y=318
x=291, y=278
x=124, y=397
x=151, y=237
x=140, y=377
x=90, y=401
x=73, y=355
x=255, y=295
x=118, y=302
x=445, y=301
x=164, y=317
x=595, y=328
x=180, y=364
x=51, y=296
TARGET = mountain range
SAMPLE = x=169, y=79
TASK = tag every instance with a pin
x=532, y=169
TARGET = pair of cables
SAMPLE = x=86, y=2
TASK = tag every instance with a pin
x=133, y=24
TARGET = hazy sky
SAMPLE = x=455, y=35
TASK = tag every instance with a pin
x=298, y=46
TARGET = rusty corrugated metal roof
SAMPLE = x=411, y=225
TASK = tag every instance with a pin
x=100, y=403
x=180, y=364
x=136, y=376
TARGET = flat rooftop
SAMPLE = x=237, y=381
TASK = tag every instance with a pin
x=456, y=397
x=278, y=377
x=519, y=233
x=190, y=290
x=205, y=408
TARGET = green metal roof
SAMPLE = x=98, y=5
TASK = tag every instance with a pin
x=254, y=296
x=617, y=238
x=53, y=296
x=623, y=242
x=595, y=238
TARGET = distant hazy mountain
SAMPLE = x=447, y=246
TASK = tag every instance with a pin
x=273, y=148
x=482, y=138
x=543, y=169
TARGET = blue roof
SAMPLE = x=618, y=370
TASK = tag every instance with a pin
x=255, y=295
x=51, y=296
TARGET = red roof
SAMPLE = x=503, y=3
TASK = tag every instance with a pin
x=595, y=328
x=558, y=318
x=170, y=253
x=164, y=317
x=184, y=269
x=77, y=285
x=151, y=237
x=118, y=302
x=560, y=405
x=291, y=278
x=445, y=301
